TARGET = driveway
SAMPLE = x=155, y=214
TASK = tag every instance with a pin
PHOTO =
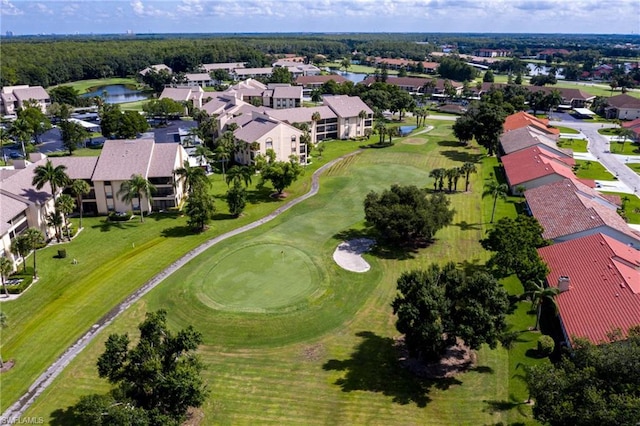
x=598, y=146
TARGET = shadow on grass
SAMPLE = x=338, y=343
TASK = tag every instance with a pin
x=471, y=267
x=177, y=232
x=456, y=144
x=464, y=226
x=223, y=216
x=106, y=225
x=63, y=417
x=261, y=195
x=352, y=234
x=462, y=156
x=374, y=367
x=391, y=252
x=157, y=216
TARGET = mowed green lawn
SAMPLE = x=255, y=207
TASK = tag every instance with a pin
x=322, y=350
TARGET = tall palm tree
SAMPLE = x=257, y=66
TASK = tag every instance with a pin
x=35, y=240
x=450, y=175
x=80, y=188
x=55, y=221
x=21, y=130
x=136, y=187
x=538, y=295
x=204, y=154
x=457, y=174
x=438, y=177
x=223, y=155
x=194, y=177
x=20, y=246
x=495, y=190
x=56, y=177
x=468, y=168
x=381, y=129
x=65, y=204
x=6, y=267
x=316, y=96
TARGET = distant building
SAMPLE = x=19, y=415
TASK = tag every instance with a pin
x=13, y=98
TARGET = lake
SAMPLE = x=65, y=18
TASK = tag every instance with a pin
x=117, y=94
x=356, y=77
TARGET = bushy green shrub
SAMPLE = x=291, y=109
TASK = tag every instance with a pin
x=120, y=216
x=62, y=253
x=27, y=279
x=545, y=345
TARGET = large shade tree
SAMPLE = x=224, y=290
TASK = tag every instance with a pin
x=405, y=215
x=438, y=305
x=157, y=380
x=281, y=174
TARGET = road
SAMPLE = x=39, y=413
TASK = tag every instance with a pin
x=13, y=413
x=598, y=146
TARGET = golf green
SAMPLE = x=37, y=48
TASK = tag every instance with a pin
x=259, y=278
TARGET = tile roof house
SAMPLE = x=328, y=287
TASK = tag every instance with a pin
x=349, y=109
x=184, y=94
x=311, y=82
x=526, y=137
x=417, y=84
x=634, y=126
x=282, y=96
x=577, y=98
x=623, y=107
x=599, y=279
x=568, y=209
x=535, y=166
x=523, y=119
x=156, y=68
x=201, y=79
x=261, y=133
x=227, y=66
x=13, y=98
x=325, y=128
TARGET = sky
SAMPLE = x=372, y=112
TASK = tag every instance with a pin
x=23, y=17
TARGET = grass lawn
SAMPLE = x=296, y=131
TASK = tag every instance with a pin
x=631, y=206
x=610, y=131
x=315, y=345
x=567, y=130
x=80, y=152
x=626, y=148
x=586, y=169
x=577, y=145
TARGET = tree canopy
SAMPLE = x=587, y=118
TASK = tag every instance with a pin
x=406, y=215
x=281, y=174
x=437, y=305
x=514, y=243
x=596, y=385
x=156, y=380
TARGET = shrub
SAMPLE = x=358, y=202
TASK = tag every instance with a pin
x=62, y=253
x=27, y=279
x=545, y=345
x=120, y=216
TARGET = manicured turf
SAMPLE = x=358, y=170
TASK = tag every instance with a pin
x=330, y=358
x=577, y=145
x=85, y=86
x=592, y=170
x=567, y=130
x=631, y=205
x=626, y=148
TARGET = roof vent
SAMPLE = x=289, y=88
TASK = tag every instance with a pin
x=564, y=283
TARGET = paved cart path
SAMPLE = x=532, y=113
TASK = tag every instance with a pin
x=14, y=412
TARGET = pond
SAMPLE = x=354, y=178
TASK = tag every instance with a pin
x=356, y=77
x=405, y=130
x=117, y=94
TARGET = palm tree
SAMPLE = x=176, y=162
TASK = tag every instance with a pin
x=457, y=174
x=20, y=246
x=345, y=64
x=204, y=154
x=316, y=96
x=239, y=174
x=468, y=168
x=35, y=240
x=80, y=188
x=450, y=175
x=55, y=176
x=496, y=190
x=4, y=140
x=136, y=187
x=438, y=177
x=381, y=129
x=315, y=117
x=538, y=295
x=194, y=177
x=6, y=267
x=223, y=155
x=21, y=130
x=65, y=204
x=55, y=221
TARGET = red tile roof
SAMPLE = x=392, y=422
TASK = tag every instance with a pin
x=568, y=207
x=604, y=292
x=523, y=119
x=633, y=124
x=623, y=101
x=533, y=163
x=319, y=79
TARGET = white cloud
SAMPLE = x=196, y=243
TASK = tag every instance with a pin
x=43, y=8
x=143, y=10
x=8, y=9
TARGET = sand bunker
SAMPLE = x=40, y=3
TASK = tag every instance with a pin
x=348, y=255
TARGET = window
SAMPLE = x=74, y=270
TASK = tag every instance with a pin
x=293, y=147
x=107, y=183
x=269, y=143
x=293, y=138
